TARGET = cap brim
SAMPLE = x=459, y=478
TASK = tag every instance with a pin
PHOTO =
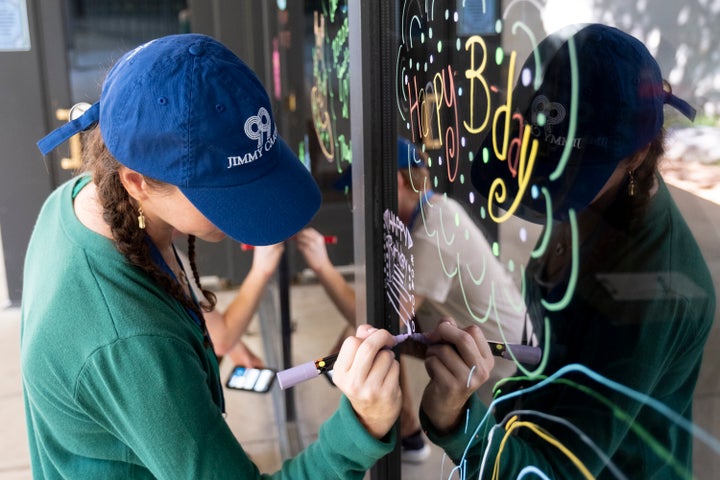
x=542, y=198
x=267, y=210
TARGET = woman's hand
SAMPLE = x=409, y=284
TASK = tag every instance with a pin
x=458, y=361
x=367, y=372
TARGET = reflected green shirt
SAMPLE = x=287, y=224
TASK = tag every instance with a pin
x=639, y=318
x=118, y=383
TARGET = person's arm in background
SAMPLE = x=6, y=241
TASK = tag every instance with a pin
x=311, y=244
x=227, y=328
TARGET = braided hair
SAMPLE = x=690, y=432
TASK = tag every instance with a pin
x=120, y=213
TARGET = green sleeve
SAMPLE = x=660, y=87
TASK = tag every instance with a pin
x=464, y=446
x=583, y=422
x=130, y=388
x=344, y=449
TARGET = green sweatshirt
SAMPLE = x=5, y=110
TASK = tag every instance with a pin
x=627, y=350
x=118, y=383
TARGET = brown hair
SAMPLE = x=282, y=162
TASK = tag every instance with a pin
x=629, y=210
x=120, y=213
x=645, y=173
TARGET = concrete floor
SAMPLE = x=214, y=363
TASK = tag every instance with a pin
x=316, y=327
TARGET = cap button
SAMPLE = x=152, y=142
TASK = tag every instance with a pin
x=196, y=49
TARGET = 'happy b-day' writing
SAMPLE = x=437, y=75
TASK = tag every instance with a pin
x=429, y=105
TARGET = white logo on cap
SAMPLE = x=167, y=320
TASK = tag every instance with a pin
x=258, y=127
x=553, y=112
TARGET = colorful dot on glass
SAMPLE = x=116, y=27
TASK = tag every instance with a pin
x=439, y=46
x=526, y=77
x=523, y=234
x=541, y=119
x=498, y=26
x=462, y=179
x=496, y=249
x=534, y=192
x=471, y=197
x=457, y=219
x=486, y=155
x=511, y=265
x=499, y=55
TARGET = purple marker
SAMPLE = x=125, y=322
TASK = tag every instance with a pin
x=292, y=376
x=309, y=370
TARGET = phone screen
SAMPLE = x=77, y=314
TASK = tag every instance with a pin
x=257, y=380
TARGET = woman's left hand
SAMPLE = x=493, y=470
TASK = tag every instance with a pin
x=458, y=361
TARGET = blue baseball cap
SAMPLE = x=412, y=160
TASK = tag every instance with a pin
x=617, y=111
x=185, y=110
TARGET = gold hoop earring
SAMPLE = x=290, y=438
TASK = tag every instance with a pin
x=141, y=219
x=632, y=185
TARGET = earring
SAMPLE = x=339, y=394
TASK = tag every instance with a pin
x=632, y=186
x=141, y=219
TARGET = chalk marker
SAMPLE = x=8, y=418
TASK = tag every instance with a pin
x=290, y=377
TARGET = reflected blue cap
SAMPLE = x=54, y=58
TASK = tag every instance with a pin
x=592, y=95
x=407, y=154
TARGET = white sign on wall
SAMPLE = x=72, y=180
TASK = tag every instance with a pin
x=14, y=30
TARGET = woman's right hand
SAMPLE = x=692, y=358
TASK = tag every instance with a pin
x=367, y=372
